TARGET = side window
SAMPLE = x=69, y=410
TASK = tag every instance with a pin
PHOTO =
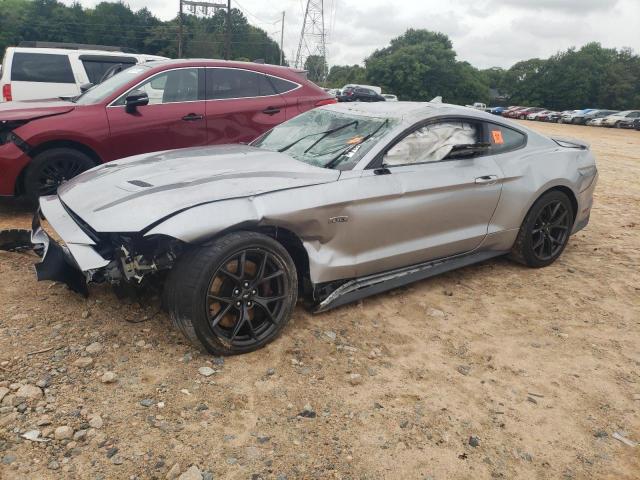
x=504, y=139
x=41, y=67
x=281, y=85
x=173, y=86
x=224, y=83
x=433, y=143
x=97, y=67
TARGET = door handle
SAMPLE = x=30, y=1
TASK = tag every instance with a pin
x=191, y=117
x=271, y=110
x=487, y=180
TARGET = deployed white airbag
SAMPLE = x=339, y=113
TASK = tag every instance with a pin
x=431, y=143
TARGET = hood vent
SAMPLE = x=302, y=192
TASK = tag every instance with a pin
x=139, y=183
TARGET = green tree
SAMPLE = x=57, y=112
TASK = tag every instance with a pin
x=589, y=77
x=316, y=65
x=114, y=23
x=420, y=65
x=341, y=75
x=523, y=82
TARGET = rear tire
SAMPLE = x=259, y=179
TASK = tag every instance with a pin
x=545, y=231
x=234, y=295
x=49, y=169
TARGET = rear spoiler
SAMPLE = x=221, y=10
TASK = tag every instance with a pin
x=571, y=143
x=301, y=73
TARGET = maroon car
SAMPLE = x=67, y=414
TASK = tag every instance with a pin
x=149, y=107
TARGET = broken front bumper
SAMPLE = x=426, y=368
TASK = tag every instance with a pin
x=57, y=263
x=72, y=263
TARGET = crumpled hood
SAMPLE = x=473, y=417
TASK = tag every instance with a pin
x=130, y=194
x=30, y=110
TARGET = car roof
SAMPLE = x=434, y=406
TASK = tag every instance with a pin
x=84, y=51
x=212, y=62
x=410, y=112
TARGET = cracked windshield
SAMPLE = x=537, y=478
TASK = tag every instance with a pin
x=326, y=138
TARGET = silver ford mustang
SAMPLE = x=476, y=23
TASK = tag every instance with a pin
x=338, y=203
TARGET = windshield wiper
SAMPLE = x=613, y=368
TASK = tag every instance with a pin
x=334, y=161
x=325, y=134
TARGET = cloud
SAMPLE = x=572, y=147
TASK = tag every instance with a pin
x=575, y=7
x=484, y=32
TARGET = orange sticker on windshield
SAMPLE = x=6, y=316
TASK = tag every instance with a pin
x=497, y=137
x=355, y=140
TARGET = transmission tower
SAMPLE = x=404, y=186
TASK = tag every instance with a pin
x=313, y=40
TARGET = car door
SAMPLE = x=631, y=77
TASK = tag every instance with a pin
x=423, y=203
x=173, y=118
x=241, y=105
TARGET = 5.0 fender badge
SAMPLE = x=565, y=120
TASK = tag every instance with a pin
x=341, y=219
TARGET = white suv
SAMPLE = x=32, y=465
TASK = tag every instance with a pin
x=39, y=72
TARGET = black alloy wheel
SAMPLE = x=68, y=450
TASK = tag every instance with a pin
x=233, y=295
x=51, y=168
x=246, y=298
x=550, y=230
x=56, y=172
x=545, y=231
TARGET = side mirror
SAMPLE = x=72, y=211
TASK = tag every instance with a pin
x=136, y=98
x=85, y=86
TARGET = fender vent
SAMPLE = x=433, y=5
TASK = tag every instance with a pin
x=139, y=183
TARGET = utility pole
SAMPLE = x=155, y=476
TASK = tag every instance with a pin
x=282, y=38
x=313, y=38
x=227, y=50
x=206, y=8
x=180, y=32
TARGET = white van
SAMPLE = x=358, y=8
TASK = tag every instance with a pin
x=42, y=70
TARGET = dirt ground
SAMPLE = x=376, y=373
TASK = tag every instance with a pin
x=541, y=367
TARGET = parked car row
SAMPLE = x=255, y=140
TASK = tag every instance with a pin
x=361, y=93
x=590, y=116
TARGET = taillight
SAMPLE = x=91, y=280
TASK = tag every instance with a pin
x=6, y=92
x=326, y=101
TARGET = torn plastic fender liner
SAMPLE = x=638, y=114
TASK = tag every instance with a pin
x=56, y=264
x=16, y=240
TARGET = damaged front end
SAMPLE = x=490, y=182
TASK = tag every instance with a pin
x=57, y=264
x=85, y=256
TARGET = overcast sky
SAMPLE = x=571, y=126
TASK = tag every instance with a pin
x=485, y=33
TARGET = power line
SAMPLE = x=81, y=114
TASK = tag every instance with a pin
x=204, y=7
x=260, y=20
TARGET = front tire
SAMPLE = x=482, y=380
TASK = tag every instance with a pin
x=49, y=169
x=545, y=231
x=234, y=295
